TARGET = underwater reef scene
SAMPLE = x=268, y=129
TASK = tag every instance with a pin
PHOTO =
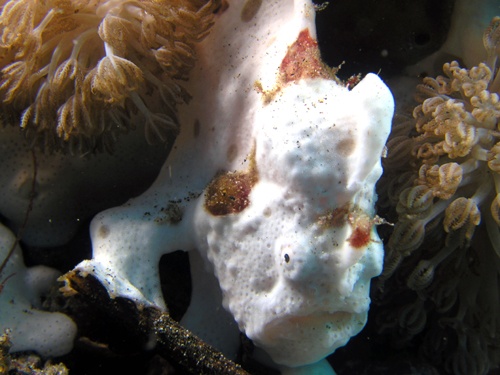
x=250, y=187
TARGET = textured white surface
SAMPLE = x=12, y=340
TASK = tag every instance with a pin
x=290, y=278
x=49, y=333
x=296, y=288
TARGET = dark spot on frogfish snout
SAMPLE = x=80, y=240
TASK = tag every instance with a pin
x=103, y=231
x=228, y=192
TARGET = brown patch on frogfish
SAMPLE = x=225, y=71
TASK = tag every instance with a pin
x=228, y=193
x=361, y=224
x=302, y=60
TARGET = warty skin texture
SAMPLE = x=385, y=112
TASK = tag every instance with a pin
x=293, y=271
